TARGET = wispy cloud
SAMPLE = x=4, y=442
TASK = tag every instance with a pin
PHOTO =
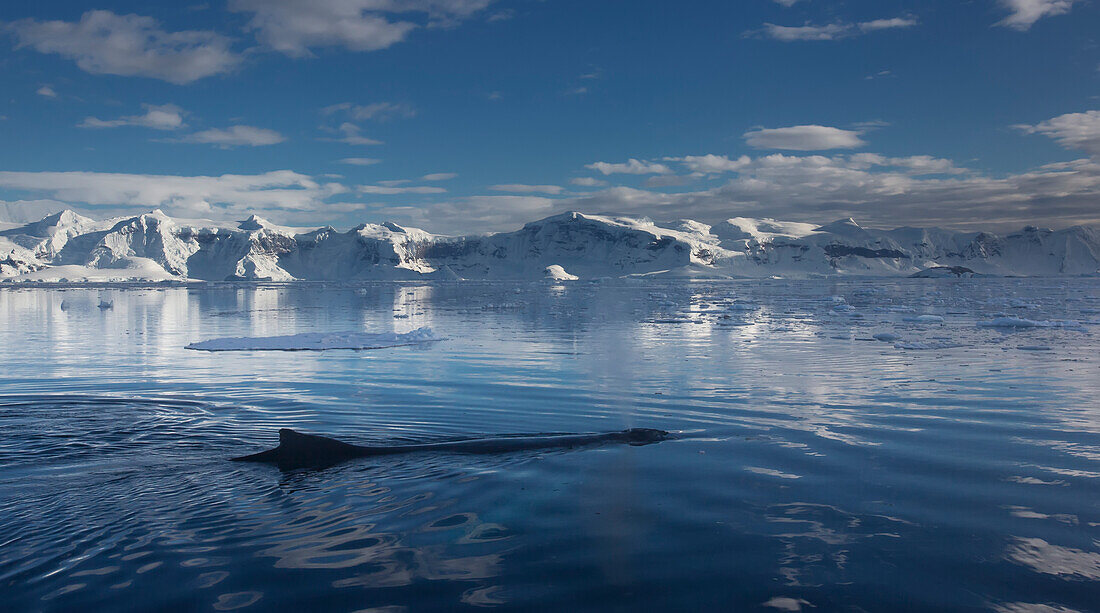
x=46, y=92
x=156, y=117
x=830, y=31
x=129, y=45
x=378, y=111
x=360, y=161
x=588, y=182
x=1079, y=131
x=351, y=135
x=439, y=176
x=295, y=27
x=384, y=190
x=520, y=188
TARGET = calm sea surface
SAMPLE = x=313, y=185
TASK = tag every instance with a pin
x=951, y=466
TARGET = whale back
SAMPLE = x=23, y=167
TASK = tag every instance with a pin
x=298, y=450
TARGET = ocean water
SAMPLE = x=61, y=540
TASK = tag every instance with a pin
x=948, y=464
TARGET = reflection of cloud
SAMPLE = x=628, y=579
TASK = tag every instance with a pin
x=1042, y=557
x=816, y=538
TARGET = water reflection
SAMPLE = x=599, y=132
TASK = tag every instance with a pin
x=826, y=469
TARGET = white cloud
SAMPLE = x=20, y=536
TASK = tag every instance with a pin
x=474, y=214
x=294, y=27
x=162, y=117
x=913, y=165
x=235, y=136
x=670, y=180
x=178, y=195
x=520, y=188
x=129, y=45
x=880, y=190
x=631, y=167
x=379, y=111
x=384, y=190
x=711, y=163
x=803, y=138
x=439, y=176
x=786, y=3
x=788, y=34
x=588, y=182
x=831, y=31
x=360, y=161
x=1073, y=131
x=876, y=189
x=1024, y=13
x=46, y=91
x=28, y=211
x=886, y=24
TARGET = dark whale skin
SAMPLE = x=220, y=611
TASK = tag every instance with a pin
x=300, y=450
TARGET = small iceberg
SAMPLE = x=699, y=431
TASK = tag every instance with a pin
x=318, y=341
x=555, y=272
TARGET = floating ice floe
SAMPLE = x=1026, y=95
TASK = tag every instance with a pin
x=886, y=337
x=924, y=319
x=1019, y=322
x=318, y=341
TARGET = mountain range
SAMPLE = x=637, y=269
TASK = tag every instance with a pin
x=69, y=247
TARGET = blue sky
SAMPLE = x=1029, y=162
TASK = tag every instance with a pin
x=479, y=115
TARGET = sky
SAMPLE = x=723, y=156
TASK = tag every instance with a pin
x=470, y=116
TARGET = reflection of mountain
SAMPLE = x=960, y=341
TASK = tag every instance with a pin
x=154, y=246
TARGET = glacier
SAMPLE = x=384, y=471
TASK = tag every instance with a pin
x=153, y=247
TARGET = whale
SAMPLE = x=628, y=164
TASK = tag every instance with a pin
x=301, y=450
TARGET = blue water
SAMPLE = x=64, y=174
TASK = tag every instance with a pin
x=816, y=468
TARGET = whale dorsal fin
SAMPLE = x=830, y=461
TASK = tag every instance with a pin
x=299, y=449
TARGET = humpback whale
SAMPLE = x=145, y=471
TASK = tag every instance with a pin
x=299, y=450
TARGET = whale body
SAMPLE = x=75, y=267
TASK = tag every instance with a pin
x=299, y=450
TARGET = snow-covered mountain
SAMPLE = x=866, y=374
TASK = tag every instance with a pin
x=67, y=246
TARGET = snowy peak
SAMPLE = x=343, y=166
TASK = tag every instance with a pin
x=254, y=223
x=557, y=248
x=842, y=227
